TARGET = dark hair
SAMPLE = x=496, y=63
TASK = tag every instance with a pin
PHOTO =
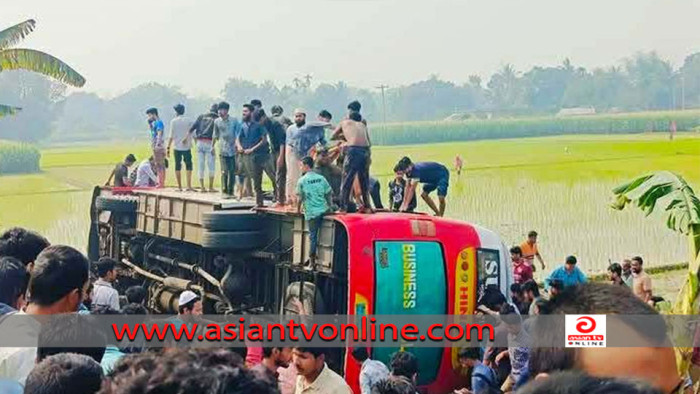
x=65, y=373
x=571, y=260
x=470, y=353
x=508, y=315
x=249, y=107
x=516, y=250
x=531, y=286
x=638, y=259
x=394, y=385
x=58, y=271
x=315, y=351
x=104, y=265
x=404, y=163
x=276, y=110
x=214, y=107
x=22, y=244
x=308, y=161
x=134, y=309
x=585, y=299
x=403, y=364
x=325, y=114
x=189, y=306
x=14, y=279
x=256, y=103
x=570, y=382
x=179, y=109
x=152, y=111
x=515, y=288
x=355, y=116
x=130, y=158
x=492, y=298
x=360, y=353
x=223, y=105
x=355, y=106
x=135, y=294
x=615, y=268
x=556, y=284
x=61, y=336
x=258, y=114
x=532, y=233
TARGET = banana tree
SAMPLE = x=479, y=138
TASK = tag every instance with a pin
x=682, y=208
x=12, y=58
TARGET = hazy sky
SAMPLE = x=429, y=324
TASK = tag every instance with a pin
x=198, y=44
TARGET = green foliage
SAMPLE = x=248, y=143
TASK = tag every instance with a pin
x=18, y=158
x=482, y=129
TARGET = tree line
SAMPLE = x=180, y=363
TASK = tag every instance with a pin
x=641, y=82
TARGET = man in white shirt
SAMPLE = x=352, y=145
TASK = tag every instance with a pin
x=371, y=371
x=180, y=133
x=145, y=176
x=314, y=374
x=59, y=280
x=103, y=294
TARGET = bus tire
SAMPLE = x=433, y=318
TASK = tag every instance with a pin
x=116, y=204
x=233, y=240
x=231, y=221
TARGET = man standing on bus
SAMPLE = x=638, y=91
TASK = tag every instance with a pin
x=180, y=135
x=157, y=143
x=432, y=175
x=314, y=193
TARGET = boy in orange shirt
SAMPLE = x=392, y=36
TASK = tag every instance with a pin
x=530, y=251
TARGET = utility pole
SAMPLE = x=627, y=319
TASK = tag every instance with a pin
x=383, y=89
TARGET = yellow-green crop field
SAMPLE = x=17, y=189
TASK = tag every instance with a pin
x=559, y=186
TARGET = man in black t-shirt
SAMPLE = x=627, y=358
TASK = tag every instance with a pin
x=121, y=172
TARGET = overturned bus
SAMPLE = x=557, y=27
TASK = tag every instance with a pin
x=244, y=261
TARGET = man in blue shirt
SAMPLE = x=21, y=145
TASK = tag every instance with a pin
x=484, y=379
x=568, y=274
x=157, y=129
x=433, y=176
x=314, y=193
x=252, y=145
x=226, y=130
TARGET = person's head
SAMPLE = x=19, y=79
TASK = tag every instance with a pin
x=189, y=303
x=516, y=253
x=532, y=237
x=152, y=114
x=65, y=373
x=394, y=385
x=355, y=116
x=530, y=290
x=555, y=287
x=492, y=298
x=135, y=295
x=655, y=363
x=58, y=279
x=614, y=272
x=105, y=268
x=627, y=266
x=637, y=263
x=247, y=113
x=260, y=116
x=223, y=108
x=134, y=308
x=354, y=106
x=404, y=165
x=14, y=279
x=516, y=292
x=404, y=364
x=306, y=164
x=257, y=104
x=469, y=356
x=360, y=354
x=571, y=382
x=281, y=356
x=570, y=263
x=299, y=117
x=398, y=174
x=276, y=110
x=325, y=116
x=22, y=244
x=309, y=361
x=511, y=318
x=129, y=160
x=179, y=109
x=61, y=335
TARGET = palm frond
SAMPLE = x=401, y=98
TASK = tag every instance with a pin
x=6, y=110
x=682, y=211
x=40, y=62
x=16, y=33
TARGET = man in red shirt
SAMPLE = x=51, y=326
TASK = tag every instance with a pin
x=522, y=271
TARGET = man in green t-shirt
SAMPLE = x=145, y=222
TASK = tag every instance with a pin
x=315, y=195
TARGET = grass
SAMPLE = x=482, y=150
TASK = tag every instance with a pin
x=559, y=186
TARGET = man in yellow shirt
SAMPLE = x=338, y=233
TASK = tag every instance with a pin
x=530, y=251
x=314, y=375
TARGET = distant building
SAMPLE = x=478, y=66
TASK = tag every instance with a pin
x=576, y=111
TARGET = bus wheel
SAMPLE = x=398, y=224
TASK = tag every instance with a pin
x=116, y=204
x=232, y=221
x=233, y=240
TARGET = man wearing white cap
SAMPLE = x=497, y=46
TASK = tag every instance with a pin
x=188, y=305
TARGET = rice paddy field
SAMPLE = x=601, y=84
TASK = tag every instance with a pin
x=559, y=186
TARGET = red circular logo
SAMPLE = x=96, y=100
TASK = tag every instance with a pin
x=586, y=326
